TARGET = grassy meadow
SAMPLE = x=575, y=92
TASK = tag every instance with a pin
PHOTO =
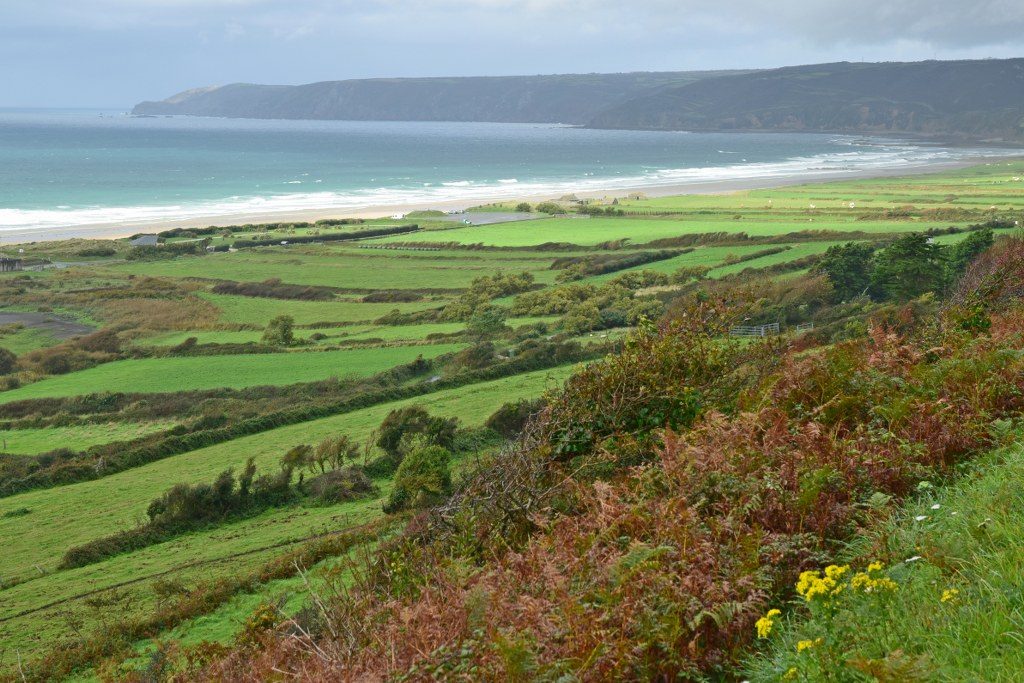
x=458, y=320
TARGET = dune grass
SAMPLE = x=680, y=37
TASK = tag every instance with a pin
x=156, y=375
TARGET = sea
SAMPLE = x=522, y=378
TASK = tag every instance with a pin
x=63, y=169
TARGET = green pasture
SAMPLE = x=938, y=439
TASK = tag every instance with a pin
x=24, y=339
x=343, y=267
x=259, y=311
x=158, y=375
x=75, y=437
x=36, y=540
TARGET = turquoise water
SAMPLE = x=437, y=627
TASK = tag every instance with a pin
x=60, y=169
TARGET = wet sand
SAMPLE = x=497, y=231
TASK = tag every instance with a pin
x=125, y=229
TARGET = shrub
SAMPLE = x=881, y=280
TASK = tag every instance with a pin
x=510, y=418
x=422, y=480
x=392, y=296
x=96, y=251
x=524, y=207
x=404, y=429
x=275, y=289
x=340, y=485
x=8, y=361
x=279, y=331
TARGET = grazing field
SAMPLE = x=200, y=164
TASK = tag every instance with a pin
x=498, y=313
x=39, y=537
x=257, y=311
x=76, y=437
x=156, y=375
x=342, y=267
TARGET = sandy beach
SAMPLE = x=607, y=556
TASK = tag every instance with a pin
x=128, y=228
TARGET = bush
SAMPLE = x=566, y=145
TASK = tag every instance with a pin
x=8, y=361
x=280, y=331
x=423, y=479
x=339, y=486
x=96, y=251
x=274, y=289
x=524, y=207
x=405, y=429
x=386, y=296
x=509, y=419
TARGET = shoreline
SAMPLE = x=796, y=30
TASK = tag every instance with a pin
x=122, y=229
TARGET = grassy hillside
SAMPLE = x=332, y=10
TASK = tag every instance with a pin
x=955, y=558
x=201, y=361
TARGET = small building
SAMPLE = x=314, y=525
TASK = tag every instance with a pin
x=144, y=241
x=636, y=196
x=8, y=265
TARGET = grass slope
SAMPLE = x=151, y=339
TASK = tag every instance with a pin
x=54, y=522
x=967, y=538
x=156, y=375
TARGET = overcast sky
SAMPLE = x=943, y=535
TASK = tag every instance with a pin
x=114, y=53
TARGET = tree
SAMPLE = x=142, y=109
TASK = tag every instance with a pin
x=486, y=322
x=8, y=361
x=280, y=331
x=334, y=451
x=422, y=479
x=848, y=268
x=404, y=429
x=510, y=419
x=960, y=255
x=297, y=458
x=909, y=267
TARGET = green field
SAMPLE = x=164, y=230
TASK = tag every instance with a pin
x=344, y=267
x=155, y=375
x=40, y=537
x=257, y=311
x=78, y=437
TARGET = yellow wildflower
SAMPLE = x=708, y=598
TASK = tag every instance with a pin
x=875, y=567
x=950, y=594
x=789, y=675
x=834, y=572
x=764, y=624
x=804, y=644
x=807, y=579
x=860, y=581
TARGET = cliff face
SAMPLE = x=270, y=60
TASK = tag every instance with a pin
x=970, y=98
x=572, y=99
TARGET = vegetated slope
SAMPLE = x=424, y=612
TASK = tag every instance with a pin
x=670, y=495
x=570, y=98
x=981, y=97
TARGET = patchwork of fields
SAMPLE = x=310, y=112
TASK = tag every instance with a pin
x=415, y=319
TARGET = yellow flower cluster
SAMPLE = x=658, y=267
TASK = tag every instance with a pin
x=764, y=624
x=823, y=586
x=870, y=582
x=950, y=594
x=807, y=644
x=815, y=584
x=790, y=674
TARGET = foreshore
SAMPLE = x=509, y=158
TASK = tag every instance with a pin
x=128, y=228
